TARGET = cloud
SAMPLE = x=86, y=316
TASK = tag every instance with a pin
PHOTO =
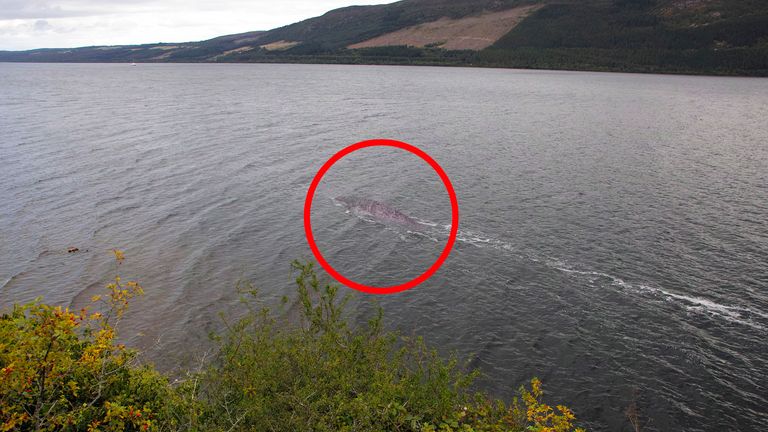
x=35, y=9
x=42, y=25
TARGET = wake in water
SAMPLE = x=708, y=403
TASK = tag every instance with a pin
x=736, y=314
x=438, y=233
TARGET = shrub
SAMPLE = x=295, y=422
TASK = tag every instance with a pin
x=63, y=370
x=323, y=375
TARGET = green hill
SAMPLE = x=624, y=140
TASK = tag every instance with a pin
x=682, y=36
x=642, y=35
x=342, y=27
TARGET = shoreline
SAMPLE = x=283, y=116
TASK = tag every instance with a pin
x=692, y=73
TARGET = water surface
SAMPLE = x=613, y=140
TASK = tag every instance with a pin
x=613, y=236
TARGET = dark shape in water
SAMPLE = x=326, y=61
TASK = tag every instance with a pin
x=378, y=210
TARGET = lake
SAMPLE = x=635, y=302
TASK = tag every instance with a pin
x=613, y=237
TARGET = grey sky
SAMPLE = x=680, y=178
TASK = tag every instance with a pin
x=27, y=24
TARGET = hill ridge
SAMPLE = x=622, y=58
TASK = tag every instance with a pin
x=724, y=37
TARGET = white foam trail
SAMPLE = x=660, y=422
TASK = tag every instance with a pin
x=735, y=314
x=733, y=311
x=425, y=235
x=691, y=303
x=708, y=307
x=481, y=240
x=425, y=222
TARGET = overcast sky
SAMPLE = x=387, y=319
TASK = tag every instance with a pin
x=27, y=24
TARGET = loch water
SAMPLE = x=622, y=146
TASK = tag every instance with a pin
x=613, y=234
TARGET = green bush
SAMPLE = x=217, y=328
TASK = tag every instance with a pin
x=61, y=370
x=323, y=375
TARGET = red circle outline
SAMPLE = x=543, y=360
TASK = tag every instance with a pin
x=454, y=216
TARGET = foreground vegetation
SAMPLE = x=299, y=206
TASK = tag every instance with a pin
x=63, y=370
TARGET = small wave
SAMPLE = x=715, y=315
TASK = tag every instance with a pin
x=41, y=181
x=167, y=217
x=13, y=279
x=423, y=234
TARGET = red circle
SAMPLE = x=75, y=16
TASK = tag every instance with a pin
x=454, y=216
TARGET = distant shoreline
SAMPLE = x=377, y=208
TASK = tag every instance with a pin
x=341, y=61
x=723, y=38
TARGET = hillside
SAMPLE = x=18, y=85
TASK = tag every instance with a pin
x=474, y=32
x=683, y=36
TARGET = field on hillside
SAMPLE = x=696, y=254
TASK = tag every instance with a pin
x=470, y=33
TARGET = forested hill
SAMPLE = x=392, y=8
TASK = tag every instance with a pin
x=683, y=36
